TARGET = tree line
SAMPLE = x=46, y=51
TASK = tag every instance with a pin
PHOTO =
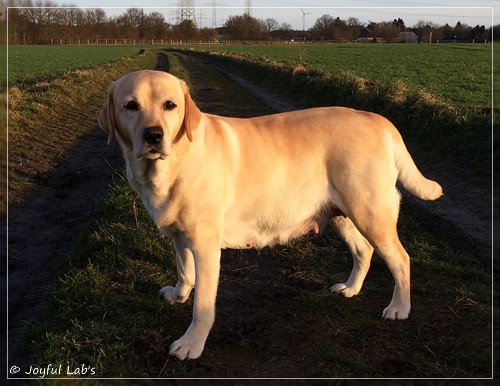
x=39, y=25
x=330, y=28
x=43, y=21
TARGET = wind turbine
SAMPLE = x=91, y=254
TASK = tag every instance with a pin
x=304, y=18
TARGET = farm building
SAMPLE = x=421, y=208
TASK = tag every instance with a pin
x=408, y=37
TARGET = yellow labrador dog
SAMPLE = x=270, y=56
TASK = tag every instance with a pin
x=211, y=182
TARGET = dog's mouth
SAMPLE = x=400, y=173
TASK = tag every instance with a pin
x=152, y=153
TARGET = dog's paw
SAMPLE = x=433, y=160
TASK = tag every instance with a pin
x=345, y=289
x=187, y=347
x=172, y=295
x=396, y=311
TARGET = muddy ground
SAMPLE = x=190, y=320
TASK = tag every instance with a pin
x=43, y=230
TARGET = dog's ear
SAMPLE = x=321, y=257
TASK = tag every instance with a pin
x=107, y=116
x=192, y=114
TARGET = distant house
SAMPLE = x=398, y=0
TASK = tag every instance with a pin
x=408, y=37
x=364, y=40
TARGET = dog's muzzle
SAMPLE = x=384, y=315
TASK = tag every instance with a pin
x=154, y=146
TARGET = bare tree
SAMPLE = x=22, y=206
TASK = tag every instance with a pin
x=327, y=28
x=95, y=23
x=353, y=28
x=129, y=23
x=208, y=34
x=153, y=26
x=186, y=30
x=69, y=22
x=271, y=25
x=245, y=27
x=387, y=31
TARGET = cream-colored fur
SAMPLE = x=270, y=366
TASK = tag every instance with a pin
x=211, y=182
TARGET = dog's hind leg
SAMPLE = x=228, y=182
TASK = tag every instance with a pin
x=398, y=262
x=377, y=222
x=361, y=251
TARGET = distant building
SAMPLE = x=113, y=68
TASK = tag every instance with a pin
x=408, y=37
x=364, y=40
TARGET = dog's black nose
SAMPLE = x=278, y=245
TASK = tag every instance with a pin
x=153, y=135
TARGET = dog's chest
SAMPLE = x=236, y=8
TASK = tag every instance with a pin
x=153, y=192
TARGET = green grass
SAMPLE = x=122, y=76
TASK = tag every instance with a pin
x=459, y=72
x=28, y=64
x=278, y=320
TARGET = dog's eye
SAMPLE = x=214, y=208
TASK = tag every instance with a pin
x=132, y=106
x=169, y=105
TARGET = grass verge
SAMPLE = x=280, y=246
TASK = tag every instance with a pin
x=276, y=317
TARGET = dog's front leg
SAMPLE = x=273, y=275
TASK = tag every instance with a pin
x=207, y=266
x=185, y=273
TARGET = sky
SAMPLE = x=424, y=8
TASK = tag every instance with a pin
x=471, y=12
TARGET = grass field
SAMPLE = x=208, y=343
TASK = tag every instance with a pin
x=28, y=64
x=276, y=316
x=459, y=72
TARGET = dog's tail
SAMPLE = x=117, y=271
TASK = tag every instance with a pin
x=412, y=179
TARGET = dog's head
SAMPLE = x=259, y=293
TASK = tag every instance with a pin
x=147, y=111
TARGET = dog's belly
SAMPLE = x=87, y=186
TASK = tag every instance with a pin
x=279, y=228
